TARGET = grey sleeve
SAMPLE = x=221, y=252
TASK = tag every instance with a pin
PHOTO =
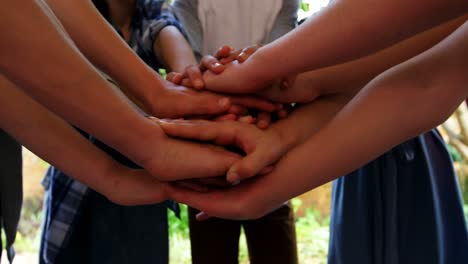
x=186, y=12
x=285, y=21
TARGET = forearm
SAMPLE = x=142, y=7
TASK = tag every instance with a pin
x=350, y=77
x=402, y=103
x=321, y=38
x=356, y=74
x=104, y=47
x=172, y=48
x=67, y=84
x=52, y=139
x=307, y=119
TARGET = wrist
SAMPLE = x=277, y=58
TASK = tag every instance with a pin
x=287, y=139
x=143, y=142
x=146, y=85
x=259, y=69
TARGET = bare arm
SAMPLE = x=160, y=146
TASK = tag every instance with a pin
x=352, y=76
x=66, y=83
x=100, y=44
x=401, y=103
x=53, y=139
x=365, y=26
x=172, y=48
x=105, y=49
x=69, y=86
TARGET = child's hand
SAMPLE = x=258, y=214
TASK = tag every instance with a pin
x=262, y=147
x=235, y=79
x=192, y=76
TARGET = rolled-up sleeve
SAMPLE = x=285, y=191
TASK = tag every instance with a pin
x=158, y=15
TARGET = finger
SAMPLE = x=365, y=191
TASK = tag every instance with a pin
x=219, y=182
x=250, y=166
x=238, y=110
x=223, y=52
x=190, y=185
x=186, y=82
x=212, y=64
x=202, y=216
x=283, y=113
x=195, y=76
x=285, y=85
x=201, y=103
x=194, y=199
x=254, y=102
x=246, y=53
x=193, y=129
x=266, y=170
x=223, y=133
x=232, y=57
x=263, y=120
x=288, y=82
x=247, y=119
x=175, y=77
x=226, y=117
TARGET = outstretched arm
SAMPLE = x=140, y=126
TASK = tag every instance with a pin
x=365, y=26
x=69, y=86
x=344, y=31
x=350, y=77
x=99, y=42
x=57, y=142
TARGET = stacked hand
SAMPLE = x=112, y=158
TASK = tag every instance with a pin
x=188, y=97
x=232, y=149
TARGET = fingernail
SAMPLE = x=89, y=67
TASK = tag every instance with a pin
x=235, y=183
x=217, y=64
x=202, y=216
x=224, y=102
x=242, y=57
x=233, y=178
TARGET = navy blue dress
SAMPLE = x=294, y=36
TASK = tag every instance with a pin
x=405, y=207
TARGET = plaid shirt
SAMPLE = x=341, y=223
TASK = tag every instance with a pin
x=64, y=195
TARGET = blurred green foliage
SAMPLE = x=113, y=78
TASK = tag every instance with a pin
x=311, y=231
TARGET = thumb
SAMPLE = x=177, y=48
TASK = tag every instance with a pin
x=204, y=103
x=250, y=166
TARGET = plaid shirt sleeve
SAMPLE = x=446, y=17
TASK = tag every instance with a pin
x=63, y=199
x=158, y=15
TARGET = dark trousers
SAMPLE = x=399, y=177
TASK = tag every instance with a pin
x=270, y=239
